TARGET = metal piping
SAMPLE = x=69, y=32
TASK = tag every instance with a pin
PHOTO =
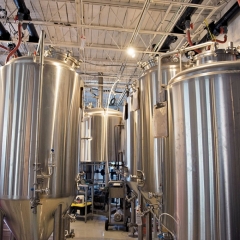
x=192, y=4
x=178, y=27
x=132, y=224
x=12, y=237
x=92, y=26
x=33, y=36
x=1, y=224
x=24, y=14
x=100, y=89
x=7, y=49
x=149, y=226
x=196, y=32
x=35, y=201
x=177, y=52
x=58, y=224
x=154, y=227
x=230, y=14
x=99, y=47
x=140, y=228
x=190, y=40
x=12, y=52
x=215, y=28
x=11, y=46
x=4, y=34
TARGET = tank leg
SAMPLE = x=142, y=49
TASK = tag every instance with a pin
x=68, y=233
x=133, y=219
x=149, y=226
x=12, y=237
x=140, y=227
x=67, y=224
x=1, y=225
x=154, y=228
x=58, y=232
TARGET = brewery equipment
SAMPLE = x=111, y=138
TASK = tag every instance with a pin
x=40, y=112
x=204, y=164
x=151, y=150
x=100, y=135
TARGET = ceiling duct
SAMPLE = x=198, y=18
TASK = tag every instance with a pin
x=215, y=28
x=178, y=28
x=24, y=14
x=100, y=89
x=5, y=35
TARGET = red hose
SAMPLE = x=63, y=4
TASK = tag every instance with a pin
x=1, y=46
x=222, y=41
x=18, y=44
x=190, y=41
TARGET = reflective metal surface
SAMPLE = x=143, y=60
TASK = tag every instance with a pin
x=59, y=120
x=97, y=143
x=205, y=165
x=63, y=57
x=130, y=141
x=214, y=56
x=151, y=150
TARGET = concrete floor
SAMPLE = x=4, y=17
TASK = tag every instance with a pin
x=93, y=229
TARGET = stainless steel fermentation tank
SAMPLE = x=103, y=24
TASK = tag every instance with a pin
x=54, y=145
x=203, y=194
x=101, y=135
x=101, y=138
x=150, y=150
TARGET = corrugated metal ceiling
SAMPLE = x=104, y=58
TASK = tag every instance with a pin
x=108, y=27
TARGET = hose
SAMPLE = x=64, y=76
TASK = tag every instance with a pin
x=221, y=41
x=1, y=46
x=190, y=41
x=18, y=44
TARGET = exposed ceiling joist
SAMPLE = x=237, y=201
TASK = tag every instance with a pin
x=155, y=5
x=105, y=28
x=95, y=46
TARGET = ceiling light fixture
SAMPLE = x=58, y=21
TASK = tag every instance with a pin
x=131, y=52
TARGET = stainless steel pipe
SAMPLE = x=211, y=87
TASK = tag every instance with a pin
x=1, y=224
x=140, y=227
x=100, y=89
x=149, y=226
x=133, y=214
x=58, y=233
x=38, y=119
x=154, y=227
x=178, y=51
